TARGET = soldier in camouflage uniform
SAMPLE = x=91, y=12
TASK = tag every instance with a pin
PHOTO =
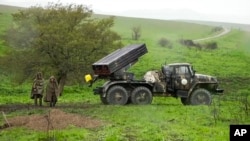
x=37, y=89
x=51, y=91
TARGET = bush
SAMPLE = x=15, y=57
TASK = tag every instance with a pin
x=164, y=42
x=217, y=29
x=189, y=43
x=211, y=45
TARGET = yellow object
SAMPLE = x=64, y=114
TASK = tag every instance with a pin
x=88, y=78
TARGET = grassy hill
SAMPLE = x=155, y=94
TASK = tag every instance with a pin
x=5, y=21
x=166, y=118
x=245, y=27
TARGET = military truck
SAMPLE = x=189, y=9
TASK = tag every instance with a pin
x=177, y=80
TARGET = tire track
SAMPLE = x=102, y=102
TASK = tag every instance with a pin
x=224, y=32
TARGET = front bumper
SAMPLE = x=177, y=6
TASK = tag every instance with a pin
x=219, y=91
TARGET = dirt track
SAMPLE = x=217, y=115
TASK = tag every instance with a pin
x=224, y=32
x=54, y=119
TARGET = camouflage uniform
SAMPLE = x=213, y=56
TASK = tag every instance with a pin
x=37, y=89
x=51, y=91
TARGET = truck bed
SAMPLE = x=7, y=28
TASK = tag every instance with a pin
x=119, y=59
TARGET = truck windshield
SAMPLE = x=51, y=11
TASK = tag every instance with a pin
x=191, y=70
x=182, y=70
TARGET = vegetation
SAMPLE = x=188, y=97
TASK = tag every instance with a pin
x=136, y=32
x=165, y=118
x=59, y=40
x=164, y=42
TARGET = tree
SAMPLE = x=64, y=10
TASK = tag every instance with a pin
x=63, y=40
x=136, y=32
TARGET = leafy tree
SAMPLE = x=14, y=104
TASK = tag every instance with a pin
x=60, y=40
x=136, y=32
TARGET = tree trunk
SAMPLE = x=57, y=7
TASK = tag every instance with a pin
x=61, y=83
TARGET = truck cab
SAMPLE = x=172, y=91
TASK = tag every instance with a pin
x=182, y=81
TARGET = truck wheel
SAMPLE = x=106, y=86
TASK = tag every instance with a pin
x=201, y=97
x=104, y=100
x=185, y=101
x=129, y=100
x=141, y=95
x=117, y=95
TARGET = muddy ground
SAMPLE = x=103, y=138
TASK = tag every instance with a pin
x=55, y=118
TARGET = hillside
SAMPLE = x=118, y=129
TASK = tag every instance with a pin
x=245, y=27
x=79, y=115
x=9, y=9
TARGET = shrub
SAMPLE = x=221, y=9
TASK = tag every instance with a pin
x=217, y=29
x=211, y=45
x=189, y=43
x=164, y=42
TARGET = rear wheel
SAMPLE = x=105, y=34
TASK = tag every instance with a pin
x=200, y=97
x=141, y=95
x=117, y=95
x=185, y=101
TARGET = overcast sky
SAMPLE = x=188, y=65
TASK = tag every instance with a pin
x=236, y=11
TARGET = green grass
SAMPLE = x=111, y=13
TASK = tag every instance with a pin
x=155, y=29
x=166, y=119
x=5, y=20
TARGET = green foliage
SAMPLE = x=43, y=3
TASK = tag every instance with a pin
x=5, y=19
x=164, y=42
x=59, y=40
x=136, y=32
x=211, y=45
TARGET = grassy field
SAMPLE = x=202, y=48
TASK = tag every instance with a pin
x=5, y=21
x=166, y=119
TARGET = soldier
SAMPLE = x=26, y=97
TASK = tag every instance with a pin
x=51, y=91
x=37, y=88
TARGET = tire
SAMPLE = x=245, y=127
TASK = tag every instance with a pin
x=200, y=97
x=117, y=95
x=185, y=101
x=104, y=100
x=141, y=95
